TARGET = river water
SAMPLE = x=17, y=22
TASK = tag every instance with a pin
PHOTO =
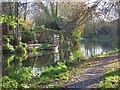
x=38, y=60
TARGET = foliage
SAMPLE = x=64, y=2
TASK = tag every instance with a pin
x=5, y=39
x=40, y=27
x=9, y=83
x=71, y=56
x=8, y=60
x=54, y=70
x=8, y=48
x=33, y=50
x=110, y=52
x=26, y=24
x=53, y=73
x=52, y=24
x=21, y=56
x=7, y=45
x=27, y=36
x=21, y=48
x=21, y=78
x=77, y=33
x=45, y=45
x=22, y=75
x=111, y=79
x=9, y=20
x=10, y=36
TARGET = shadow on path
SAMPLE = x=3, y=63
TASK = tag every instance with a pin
x=91, y=76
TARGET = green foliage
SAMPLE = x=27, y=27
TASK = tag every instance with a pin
x=107, y=53
x=21, y=56
x=45, y=45
x=27, y=36
x=22, y=75
x=21, y=48
x=111, y=80
x=20, y=78
x=53, y=73
x=10, y=36
x=77, y=33
x=9, y=20
x=25, y=24
x=52, y=25
x=33, y=50
x=40, y=27
x=9, y=83
x=72, y=57
x=61, y=67
x=7, y=61
x=5, y=39
x=8, y=48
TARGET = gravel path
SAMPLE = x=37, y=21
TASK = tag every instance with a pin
x=92, y=75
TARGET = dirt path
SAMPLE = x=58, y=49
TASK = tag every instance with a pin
x=92, y=75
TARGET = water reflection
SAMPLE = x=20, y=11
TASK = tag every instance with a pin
x=89, y=48
x=41, y=59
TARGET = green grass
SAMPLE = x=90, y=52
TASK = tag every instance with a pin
x=108, y=53
x=111, y=80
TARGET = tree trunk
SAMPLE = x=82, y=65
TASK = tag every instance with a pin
x=15, y=33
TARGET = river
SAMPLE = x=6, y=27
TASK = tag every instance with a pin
x=39, y=60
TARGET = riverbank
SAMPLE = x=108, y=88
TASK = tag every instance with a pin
x=68, y=74
x=89, y=73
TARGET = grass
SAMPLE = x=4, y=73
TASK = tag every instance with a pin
x=108, y=53
x=111, y=79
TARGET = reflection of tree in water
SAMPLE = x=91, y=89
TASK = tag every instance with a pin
x=76, y=51
x=90, y=47
x=12, y=62
x=47, y=58
x=71, y=52
x=7, y=65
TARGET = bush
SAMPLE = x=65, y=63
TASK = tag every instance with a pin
x=21, y=48
x=22, y=75
x=8, y=83
x=18, y=79
x=10, y=36
x=5, y=39
x=52, y=72
x=27, y=36
x=8, y=48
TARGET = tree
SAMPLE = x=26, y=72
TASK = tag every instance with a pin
x=77, y=14
x=11, y=12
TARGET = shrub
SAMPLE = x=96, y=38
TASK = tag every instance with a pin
x=52, y=72
x=22, y=74
x=10, y=36
x=27, y=36
x=21, y=48
x=18, y=79
x=8, y=48
x=5, y=40
x=9, y=83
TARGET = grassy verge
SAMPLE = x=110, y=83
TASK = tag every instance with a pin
x=108, y=53
x=111, y=79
